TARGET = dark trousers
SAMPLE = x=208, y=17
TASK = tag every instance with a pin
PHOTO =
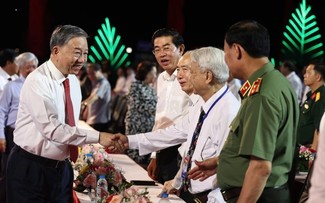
x=167, y=163
x=31, y=179
x=4, y=157
x=272, y=195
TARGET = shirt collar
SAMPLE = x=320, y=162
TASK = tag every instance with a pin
x=57, y=75
x=206, y=106
x=194, y=98
x=168, y=77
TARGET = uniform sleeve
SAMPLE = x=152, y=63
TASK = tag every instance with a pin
x=260, y=128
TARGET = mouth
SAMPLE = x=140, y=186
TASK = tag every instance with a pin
x=164, y=62
x=182, y=84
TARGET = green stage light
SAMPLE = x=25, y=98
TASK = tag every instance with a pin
x=108, y=46
x=302, y=41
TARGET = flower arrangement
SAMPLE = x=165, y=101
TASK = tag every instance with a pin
x=306, y=155
x=93, y=161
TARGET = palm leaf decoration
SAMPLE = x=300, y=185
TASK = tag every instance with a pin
x=108, y=46
x=302, y=39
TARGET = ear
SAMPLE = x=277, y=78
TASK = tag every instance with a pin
x=318, y=76
x=55, y=50
x=209, y=76
x=181, y=49
x=238, y=50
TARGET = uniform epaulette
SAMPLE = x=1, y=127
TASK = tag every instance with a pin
x=244, y=89
x=255, y=87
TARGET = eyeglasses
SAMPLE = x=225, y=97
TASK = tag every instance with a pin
x=165, y=50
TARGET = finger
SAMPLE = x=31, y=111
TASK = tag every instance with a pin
x=203, y=177
x=195, y=175
x=119, y=146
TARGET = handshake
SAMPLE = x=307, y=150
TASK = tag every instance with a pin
x=116, y=143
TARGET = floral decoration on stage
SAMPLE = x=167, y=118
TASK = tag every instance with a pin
x=306, y=154
x=93, y=161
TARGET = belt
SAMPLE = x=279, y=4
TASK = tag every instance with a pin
x=235, y=192
x=39, y=159
x=201, y=197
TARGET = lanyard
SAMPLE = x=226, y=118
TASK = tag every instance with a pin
x=214, y=103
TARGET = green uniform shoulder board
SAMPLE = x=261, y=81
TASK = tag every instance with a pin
x=245, y=88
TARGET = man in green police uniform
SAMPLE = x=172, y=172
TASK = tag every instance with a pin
x=313, y=108
x=257, y=156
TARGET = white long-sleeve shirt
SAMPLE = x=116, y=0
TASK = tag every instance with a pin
x=212, y=137
x=40, y=126
x=172, y=102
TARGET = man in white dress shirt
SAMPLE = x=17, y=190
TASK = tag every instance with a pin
x=9, y=101
x=172, y=103
x=8, y=67
x=38, y=168
x=288, y=69
x=208, y=75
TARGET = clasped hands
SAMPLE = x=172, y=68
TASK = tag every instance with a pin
x=116, y=143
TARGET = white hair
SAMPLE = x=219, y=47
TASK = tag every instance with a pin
x=211, y=58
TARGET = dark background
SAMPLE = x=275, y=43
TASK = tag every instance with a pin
x=27, y=24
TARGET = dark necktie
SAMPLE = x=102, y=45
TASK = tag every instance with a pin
x=192, y=148
x=69, y=118
x=9, y=79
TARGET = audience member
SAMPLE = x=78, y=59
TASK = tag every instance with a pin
x=141, y=107
x=26, y=62
x=97, y=105
x=288, y=69
x=38, y=168
x=312, y=109
x=85, y=83
x=305, y=88
x=130, y=77
x=120, y=86
x=311, y=113
x=172, y=104
x=8, y=67
x=208, y=75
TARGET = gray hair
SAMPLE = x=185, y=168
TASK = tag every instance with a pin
x=26, y=57
x=211, y=58
x=64, y=33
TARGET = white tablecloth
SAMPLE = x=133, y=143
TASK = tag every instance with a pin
x=132, y=171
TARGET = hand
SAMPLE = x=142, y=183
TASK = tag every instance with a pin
x=204, y=169
x=123, y=139
x=168, y=187
x=152, y=169
x=111, y=141
x=2, y=145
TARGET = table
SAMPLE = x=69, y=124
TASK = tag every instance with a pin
x=132, y=171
